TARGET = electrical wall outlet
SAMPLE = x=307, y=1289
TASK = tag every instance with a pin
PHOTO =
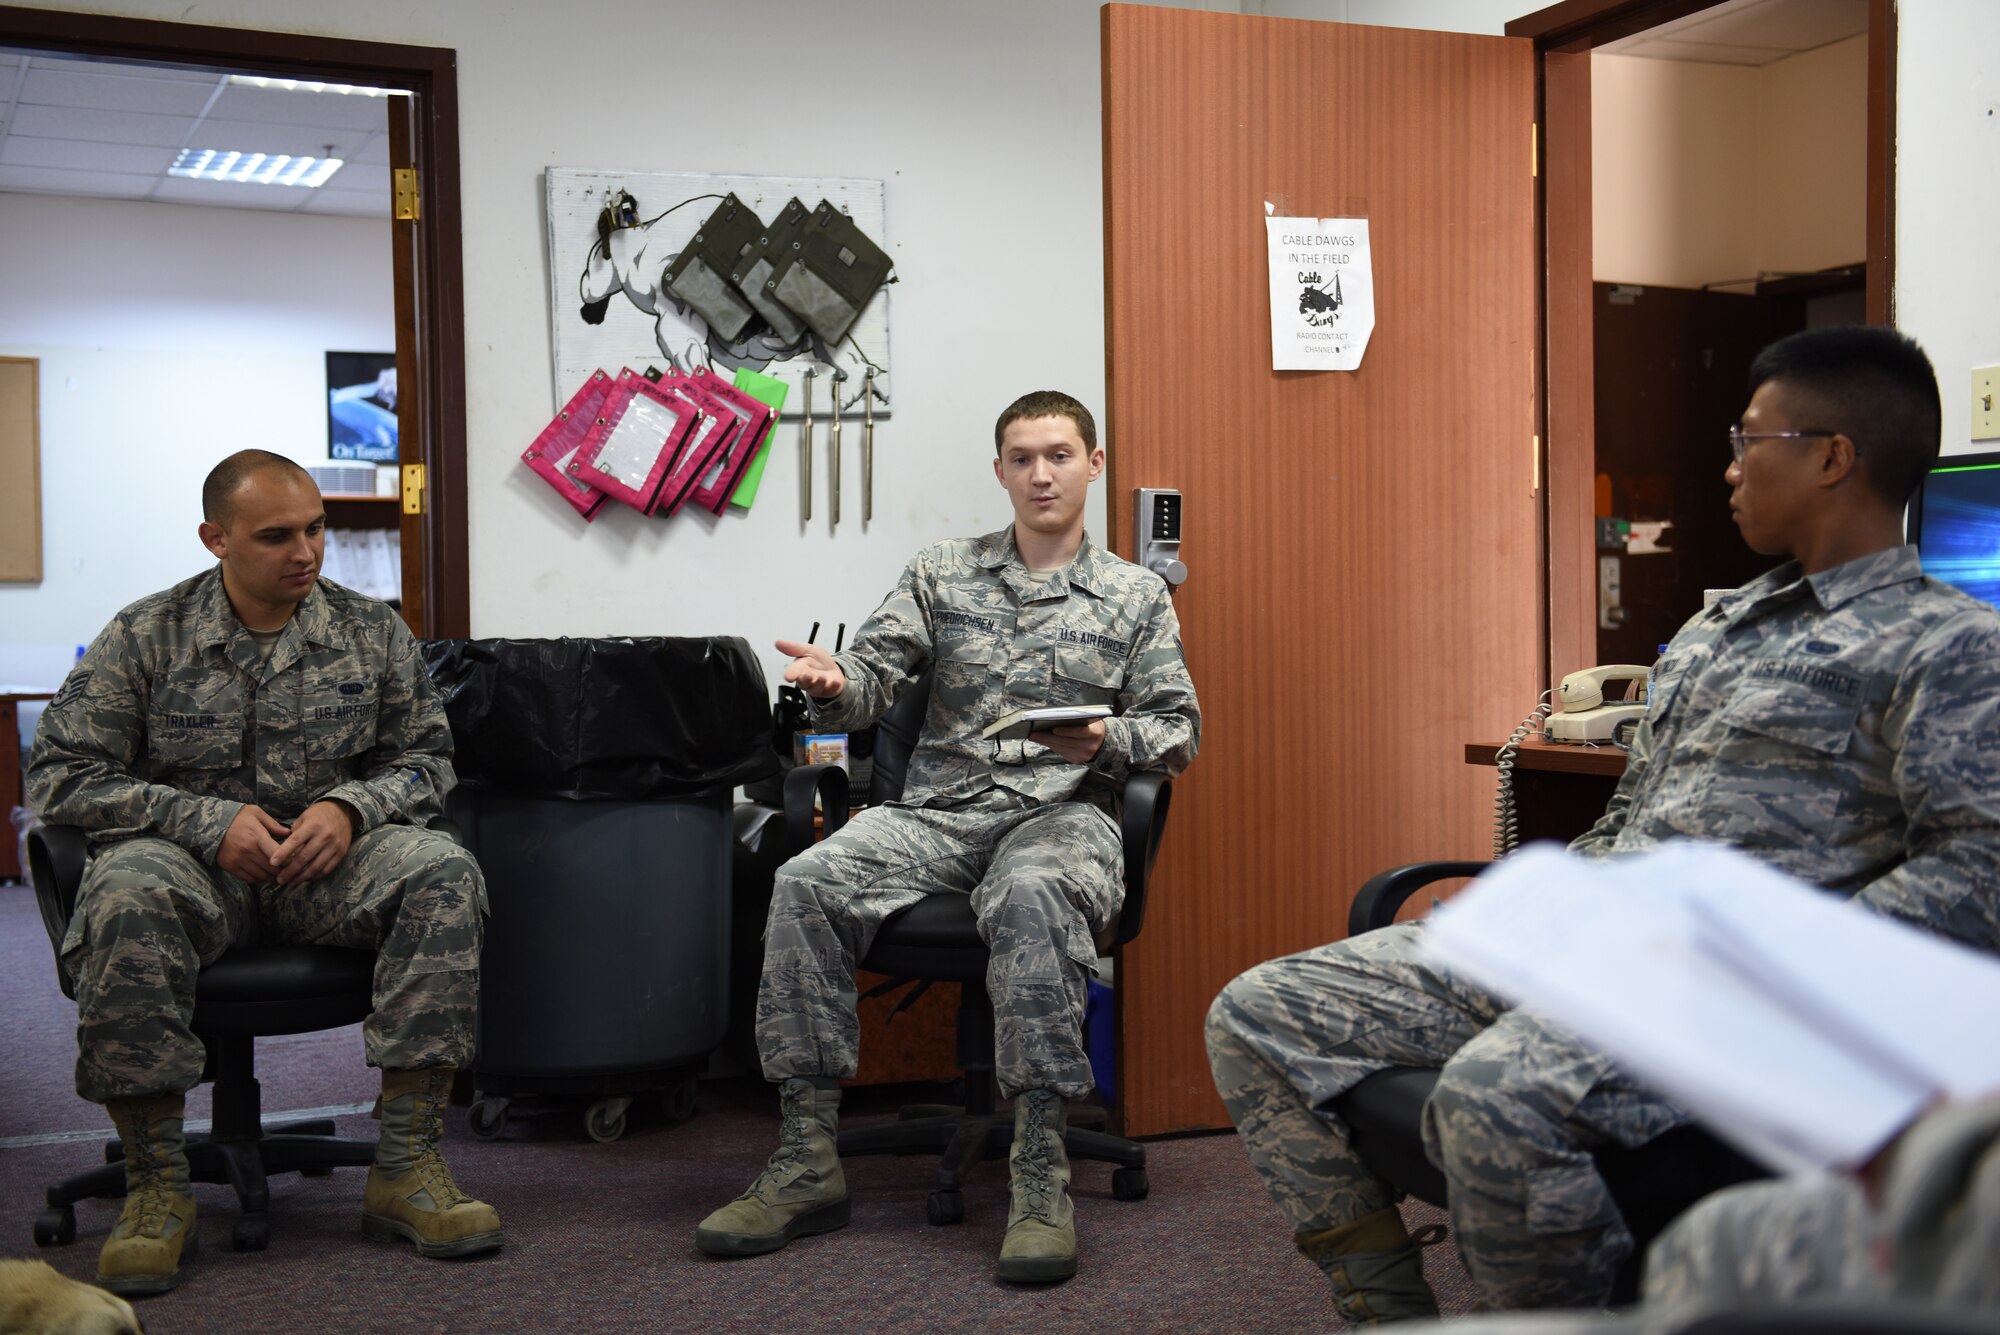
x=1985, y=402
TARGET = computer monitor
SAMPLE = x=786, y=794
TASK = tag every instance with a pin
x=1954, y=520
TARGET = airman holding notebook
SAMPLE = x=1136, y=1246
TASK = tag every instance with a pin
x=1033, y=615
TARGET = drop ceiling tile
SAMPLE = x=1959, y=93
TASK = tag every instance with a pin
x=376, y=149
x=370, y=176
x=75, y=88
x=1789, y=25
x=276, y=106
x=82, y=155
x=115, y=127
x=1707, y=53
x=252, y=137
x=57, y=181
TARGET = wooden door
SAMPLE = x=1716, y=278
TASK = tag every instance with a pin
x=1365, y=588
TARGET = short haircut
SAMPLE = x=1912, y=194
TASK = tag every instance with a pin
x=218, y=492
x=1872, y=385
x=1047, y=403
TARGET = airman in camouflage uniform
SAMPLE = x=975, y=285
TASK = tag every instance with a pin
x=1836, y=716
x=1027, y=829
x=178, y=723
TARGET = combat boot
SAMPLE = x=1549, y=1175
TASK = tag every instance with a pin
x=410, y=1195
x=1376, y=1268
x=154, y=1241
x=801, y=1191
x=1040, y=1246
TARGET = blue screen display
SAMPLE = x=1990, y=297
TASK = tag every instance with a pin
x=1957, y=528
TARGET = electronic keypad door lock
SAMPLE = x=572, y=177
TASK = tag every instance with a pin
x=1158, y=524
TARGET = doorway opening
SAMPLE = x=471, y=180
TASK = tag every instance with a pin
x=421, y=134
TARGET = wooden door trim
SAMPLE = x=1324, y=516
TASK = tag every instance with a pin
x=432, y=74
x=1568, y=32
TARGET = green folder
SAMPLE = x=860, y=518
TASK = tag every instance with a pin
x=764, y=389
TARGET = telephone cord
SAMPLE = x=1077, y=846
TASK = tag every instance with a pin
x=1506, y=821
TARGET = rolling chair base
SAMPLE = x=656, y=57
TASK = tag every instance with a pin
x=244, y=1163
x=983, y=1131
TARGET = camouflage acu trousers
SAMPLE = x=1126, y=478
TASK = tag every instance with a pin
x=1519, y=1106
x=150, y=915
x=1041, y=877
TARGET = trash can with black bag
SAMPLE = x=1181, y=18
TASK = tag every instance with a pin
x=595, y=787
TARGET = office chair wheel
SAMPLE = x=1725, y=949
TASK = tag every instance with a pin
x=678, y=1102
x=945, y=1207
x=487, y=1118
x=251, y=1234
x=1129, y=1184
x=56, y=1226
x=603, y=1123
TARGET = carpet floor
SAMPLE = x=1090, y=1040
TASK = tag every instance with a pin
x=600, y=1237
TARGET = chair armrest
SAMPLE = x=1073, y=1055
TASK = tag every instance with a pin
x=56, y=857
x=829, y=783
x=1375, y=906
x=1143, y=823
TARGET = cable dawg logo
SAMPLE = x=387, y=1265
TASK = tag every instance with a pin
x=1319, y=306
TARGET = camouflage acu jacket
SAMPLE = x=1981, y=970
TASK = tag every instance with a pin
x=1099, y=631
x=1844, y=726
x=169, y=724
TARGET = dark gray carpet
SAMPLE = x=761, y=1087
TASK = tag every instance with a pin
x=600, y=1237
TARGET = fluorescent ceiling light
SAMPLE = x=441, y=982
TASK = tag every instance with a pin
x=314, y=86
x=221, y=164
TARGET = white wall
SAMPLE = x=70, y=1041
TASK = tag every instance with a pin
x=984, y=122
x=1709, y=173
x=168, y=336
x=1948, y=194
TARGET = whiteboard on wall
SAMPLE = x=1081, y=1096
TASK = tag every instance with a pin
x=640, y=325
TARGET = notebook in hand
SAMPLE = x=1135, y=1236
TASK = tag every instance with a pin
x=1021, y=722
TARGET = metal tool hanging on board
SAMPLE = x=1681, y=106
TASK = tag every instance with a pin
x=833, y=445
x=806, y=455
x=868, y=445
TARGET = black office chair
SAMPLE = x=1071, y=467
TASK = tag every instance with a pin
x=248, y=994
x=1652, y=1183
x=936, y=940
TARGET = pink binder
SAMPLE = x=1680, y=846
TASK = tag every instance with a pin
x=719, y=479
x=635, y=439
x=556, y=447
x=717, y=427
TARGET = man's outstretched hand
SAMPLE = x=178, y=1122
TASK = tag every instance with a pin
x=813, y=670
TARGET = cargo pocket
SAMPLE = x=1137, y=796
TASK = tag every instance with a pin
x=1568, y=1199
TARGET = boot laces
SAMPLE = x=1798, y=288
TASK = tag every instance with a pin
x=148, y=1191
x=795, y=1127
x=1034, y=1162
x=426, y=1130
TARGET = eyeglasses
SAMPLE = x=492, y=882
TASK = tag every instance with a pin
x=1739, y=439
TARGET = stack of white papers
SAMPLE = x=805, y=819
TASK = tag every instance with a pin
x=1803, y=1029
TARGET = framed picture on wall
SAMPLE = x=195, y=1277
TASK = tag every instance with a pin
x=361, y=406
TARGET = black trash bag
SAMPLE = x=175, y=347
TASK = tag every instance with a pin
x=619, y=718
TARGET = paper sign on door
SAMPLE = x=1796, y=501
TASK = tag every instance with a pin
x=1322, y=293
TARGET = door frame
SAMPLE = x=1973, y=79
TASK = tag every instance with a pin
x=1564, y=35
x=431, y=74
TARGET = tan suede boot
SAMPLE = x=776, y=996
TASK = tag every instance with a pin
x=410, y=1195
x=1040, y=1246
x=1376, y=1269
x=154, y=1241
x=801, y=1190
